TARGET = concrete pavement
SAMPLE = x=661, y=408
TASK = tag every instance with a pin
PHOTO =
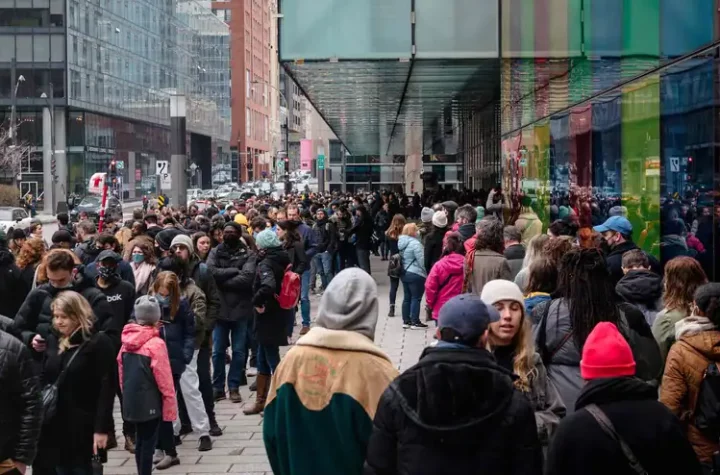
x=241, y=449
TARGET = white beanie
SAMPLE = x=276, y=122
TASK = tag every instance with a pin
x=497, y=290
x=439, y=219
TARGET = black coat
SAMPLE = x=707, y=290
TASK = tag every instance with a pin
x=324, y=239
x=457, y=412
x=363, y=230
x=179, y=335
x=234, y=273
x=434, y=246
x=298, y=258
x=20, y=401
x=27, y=275
x=87, y=251
x=85, y=401
x=271, y=325
x=614, y=261
x=200, y=273
x=13, y=288
x=653, y=433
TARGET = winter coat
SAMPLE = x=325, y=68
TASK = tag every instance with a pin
x=444, y=282
x=672, y=246
x=563, y=366
x=35, y=314
x=487, y=265
x=535, y=298
x=301, y=411
x=413, y=257
x=13, y=288
x=580, y=446
x=522, y=278
x=203, y=278
x=179, y=334
x=144, y=356
x=381, y=221
x=234, y=273
x=614, y=261
x=85, y=401
x=663, y=329
x=424, y=425
x=515, y=255
x=198, y=304
x=271, y=325
x=322, y=235
x=433, y=246
x=308, y=240
x=530, y=225
x=298, y=257
x=643, y=289
x=363, y=230
x=20, y=401
x=496, y=208
x=27, y=276
x=686, y=364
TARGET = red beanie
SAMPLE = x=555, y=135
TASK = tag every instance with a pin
x=606, y=354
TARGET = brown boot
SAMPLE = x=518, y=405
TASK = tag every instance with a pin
x=263, y=385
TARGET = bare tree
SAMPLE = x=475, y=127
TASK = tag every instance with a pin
x=12, y=153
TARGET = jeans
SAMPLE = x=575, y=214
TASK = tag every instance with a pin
x=268, y=359
x=206, y=387
x=305, y=298
x=146, y=437
x=323, y=265
x=237, y=332
x=363, y=257
x=384, y=247
x=413, y=290
x=394, y=284
x=77, y=469
x=190, y=388
x=313, y=273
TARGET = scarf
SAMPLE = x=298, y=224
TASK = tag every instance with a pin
x=692, y=325
x=142, y=273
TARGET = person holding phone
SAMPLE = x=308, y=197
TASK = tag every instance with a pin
x=83, y=370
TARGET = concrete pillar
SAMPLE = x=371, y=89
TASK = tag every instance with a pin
x=413, y=159
x=131, y=174
x=61, y=159
x=178, y=146
x=48, y=198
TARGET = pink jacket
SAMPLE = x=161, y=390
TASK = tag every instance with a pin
x=444, y=282
x=145, y=340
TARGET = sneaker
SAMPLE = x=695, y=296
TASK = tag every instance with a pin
x=251, y=372
x=167, y=462
x=304, y=330
x=158, y=456
x=215, y=429
x=406, y=326
x=205, y=444
x=418, y=326
x=235, y=396
x=219, y=395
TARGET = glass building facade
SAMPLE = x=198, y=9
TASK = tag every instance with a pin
x=615, y=103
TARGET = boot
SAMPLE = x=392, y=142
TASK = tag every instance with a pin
x=391, y=313
x=263, y=385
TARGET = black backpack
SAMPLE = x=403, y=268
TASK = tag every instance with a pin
x=707, y=409
x=396, y=269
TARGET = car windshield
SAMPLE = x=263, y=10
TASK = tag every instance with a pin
x=90, y=201
x=5, y=215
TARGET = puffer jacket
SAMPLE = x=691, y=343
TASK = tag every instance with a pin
x=203, y=278
x=487, y=265
x=644, y=290
x=20, y=401
x=535, y=298
x=563, y=365
x=271, y=325
x=686, y=364
x=424, y=426
x=444, y=282
x=413, y=256
x=234, y=273
x=179, y=335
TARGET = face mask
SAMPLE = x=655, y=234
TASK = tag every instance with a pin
x=64, y=287
x=138, y=258
x=163, y=300
x=107, y=273
x=231, y=240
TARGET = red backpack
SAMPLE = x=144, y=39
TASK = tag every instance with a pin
x=289, y=289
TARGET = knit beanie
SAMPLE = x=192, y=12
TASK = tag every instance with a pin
x=480, y=213
x=426, y=215
x=266, y=239
x=165, y=238
x=606, y=354
x=498, y=290
x=241, y=219
x=439, y=219
x=147, y=310
x=563, y=212
x=183, y=240
x=350, y=303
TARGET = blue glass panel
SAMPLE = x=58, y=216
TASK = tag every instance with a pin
x=685, y=26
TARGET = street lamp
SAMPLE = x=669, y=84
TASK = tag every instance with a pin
x=53, y=162
x=20, y=79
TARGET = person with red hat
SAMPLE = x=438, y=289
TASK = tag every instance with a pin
x=618, y=426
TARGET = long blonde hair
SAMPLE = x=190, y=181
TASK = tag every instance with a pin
x=396, y=226
x=76, y=308
x=524, y=361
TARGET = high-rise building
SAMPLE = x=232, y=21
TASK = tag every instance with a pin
x=106, y=71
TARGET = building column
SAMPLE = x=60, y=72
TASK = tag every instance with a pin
x=178, y=150
x=61, y=158
x=48, y=182
x=413, y=159
x=131, y=175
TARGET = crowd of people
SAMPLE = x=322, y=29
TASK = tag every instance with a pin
x=567, y=351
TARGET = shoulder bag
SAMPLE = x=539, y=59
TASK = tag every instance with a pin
x=50, y=392
x=607, y=426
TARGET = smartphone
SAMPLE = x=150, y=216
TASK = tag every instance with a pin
x=101, y=456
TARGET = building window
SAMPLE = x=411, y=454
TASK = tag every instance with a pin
x=247, y=83
x=248, y=122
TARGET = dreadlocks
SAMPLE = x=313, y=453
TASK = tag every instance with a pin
x=585, y=284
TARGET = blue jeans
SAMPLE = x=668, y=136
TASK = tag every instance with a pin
x=268, y=359
x=323, y=264
x=413, y=290
x=394, y=284
x=304, y=299
x=223, y=334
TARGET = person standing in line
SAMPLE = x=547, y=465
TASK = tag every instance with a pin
x=144, y=265
x=292, y=243
x=382, y=222
x=146, y=381
x=514, y=250
x=363, y=230
x=433, y=246
x=640, y=286
x=445, y=280
x=413, y=278
x=308, y=241
x=12, y=287
x=393, y=235
x=326, y=242
x=533, y=253
x=486, y=261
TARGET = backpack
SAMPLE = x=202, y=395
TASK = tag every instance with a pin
x=395, y=266
x=707, y=408
x=289, y=295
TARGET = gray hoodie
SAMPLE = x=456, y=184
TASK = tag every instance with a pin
x=350, y=303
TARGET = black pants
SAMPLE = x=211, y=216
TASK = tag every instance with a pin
x=166, y=437
x=205, y=379
x=146, y=438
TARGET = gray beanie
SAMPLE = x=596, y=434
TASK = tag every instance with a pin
x=350, y=303
x=183, y=240
x=147, y=310
x=426, y=215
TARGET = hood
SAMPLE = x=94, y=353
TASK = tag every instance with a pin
x=692, y=325
x=706, y=343
x=430, y=397
x=404, y=241
x=528, y=216
x=276, y=254
x=350, y=303
x=453, y=264
x=467, y=230
x=607, y=390
x=640, y=286
x=6, y=257
x=81, y=283
x=673, y=240
x=135, y=336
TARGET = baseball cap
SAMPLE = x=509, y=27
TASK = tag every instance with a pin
x=619, y=224
x=109, y=255
x=468, y=316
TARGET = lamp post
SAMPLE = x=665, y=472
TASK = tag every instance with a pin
x=49, y=156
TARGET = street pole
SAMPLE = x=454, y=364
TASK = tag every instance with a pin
x=178, y=158
x=47, y=160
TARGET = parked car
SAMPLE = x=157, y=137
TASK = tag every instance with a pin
x=16, y=218
x=91, y=205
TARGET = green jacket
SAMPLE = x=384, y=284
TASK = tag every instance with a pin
x=322, y=400
x=663, y=329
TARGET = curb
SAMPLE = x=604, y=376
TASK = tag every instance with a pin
x=46, y=219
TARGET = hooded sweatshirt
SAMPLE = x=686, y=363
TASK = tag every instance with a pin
x=644, y=290
x=334, y=369
x=144, y=353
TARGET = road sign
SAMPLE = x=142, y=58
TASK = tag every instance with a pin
x=97, y=180
x=162, y=169
x=674, y=164
x=120, y=165
x=321, y=162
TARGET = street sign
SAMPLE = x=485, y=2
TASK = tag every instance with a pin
x=321, y=162
x=97, y=181
x=162, y=168
x=120, y=165
x=674, y=164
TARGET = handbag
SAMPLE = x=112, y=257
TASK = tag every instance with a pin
x=607, y=426
x=50, y=392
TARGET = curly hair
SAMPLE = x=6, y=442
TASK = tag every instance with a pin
x=490, y=236
x=145, y=245
x=556, y=248
x=683, y=276
x=31, y=253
